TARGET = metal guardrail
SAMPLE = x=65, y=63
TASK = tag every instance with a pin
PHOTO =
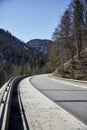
x=3, y=89
x=5, y=100
x=4, y=94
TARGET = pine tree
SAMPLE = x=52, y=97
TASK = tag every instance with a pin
x=78, y=24
x=21, y=68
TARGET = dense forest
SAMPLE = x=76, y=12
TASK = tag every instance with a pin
x=69, y=51
x=40, y=45
x=18, y=58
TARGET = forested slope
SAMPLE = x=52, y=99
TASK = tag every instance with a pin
x=70, y=41
x=17, y=57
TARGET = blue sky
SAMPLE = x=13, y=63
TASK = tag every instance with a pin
x=31, y=19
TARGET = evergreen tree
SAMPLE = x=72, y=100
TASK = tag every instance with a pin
x=2, y=77
x=78, y=25
x=21, y=68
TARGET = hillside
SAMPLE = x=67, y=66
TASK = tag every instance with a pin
x=76, y=69
x=17, y=57
x=12, y=50
x=40, y=45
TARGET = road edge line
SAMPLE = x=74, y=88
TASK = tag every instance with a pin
x=62, y=109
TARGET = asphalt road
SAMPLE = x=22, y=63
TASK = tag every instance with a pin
x=71, y=98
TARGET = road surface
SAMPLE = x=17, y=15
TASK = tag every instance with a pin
x=71, y=98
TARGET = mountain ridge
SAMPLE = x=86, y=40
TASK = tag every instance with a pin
x=18, y=57
x=10, y=46
x=41, y=45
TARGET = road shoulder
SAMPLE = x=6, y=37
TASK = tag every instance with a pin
x=42, y=113
x=76, y=83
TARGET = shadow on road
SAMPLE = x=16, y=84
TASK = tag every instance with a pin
x=70, y=101
x=76, y=90
x=17, y=112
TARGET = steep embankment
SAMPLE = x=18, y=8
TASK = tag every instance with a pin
x=76, y=69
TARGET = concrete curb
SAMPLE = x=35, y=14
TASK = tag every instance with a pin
x=77, y=83
x=44, y=114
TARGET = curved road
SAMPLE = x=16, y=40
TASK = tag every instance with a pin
x=71, y=98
